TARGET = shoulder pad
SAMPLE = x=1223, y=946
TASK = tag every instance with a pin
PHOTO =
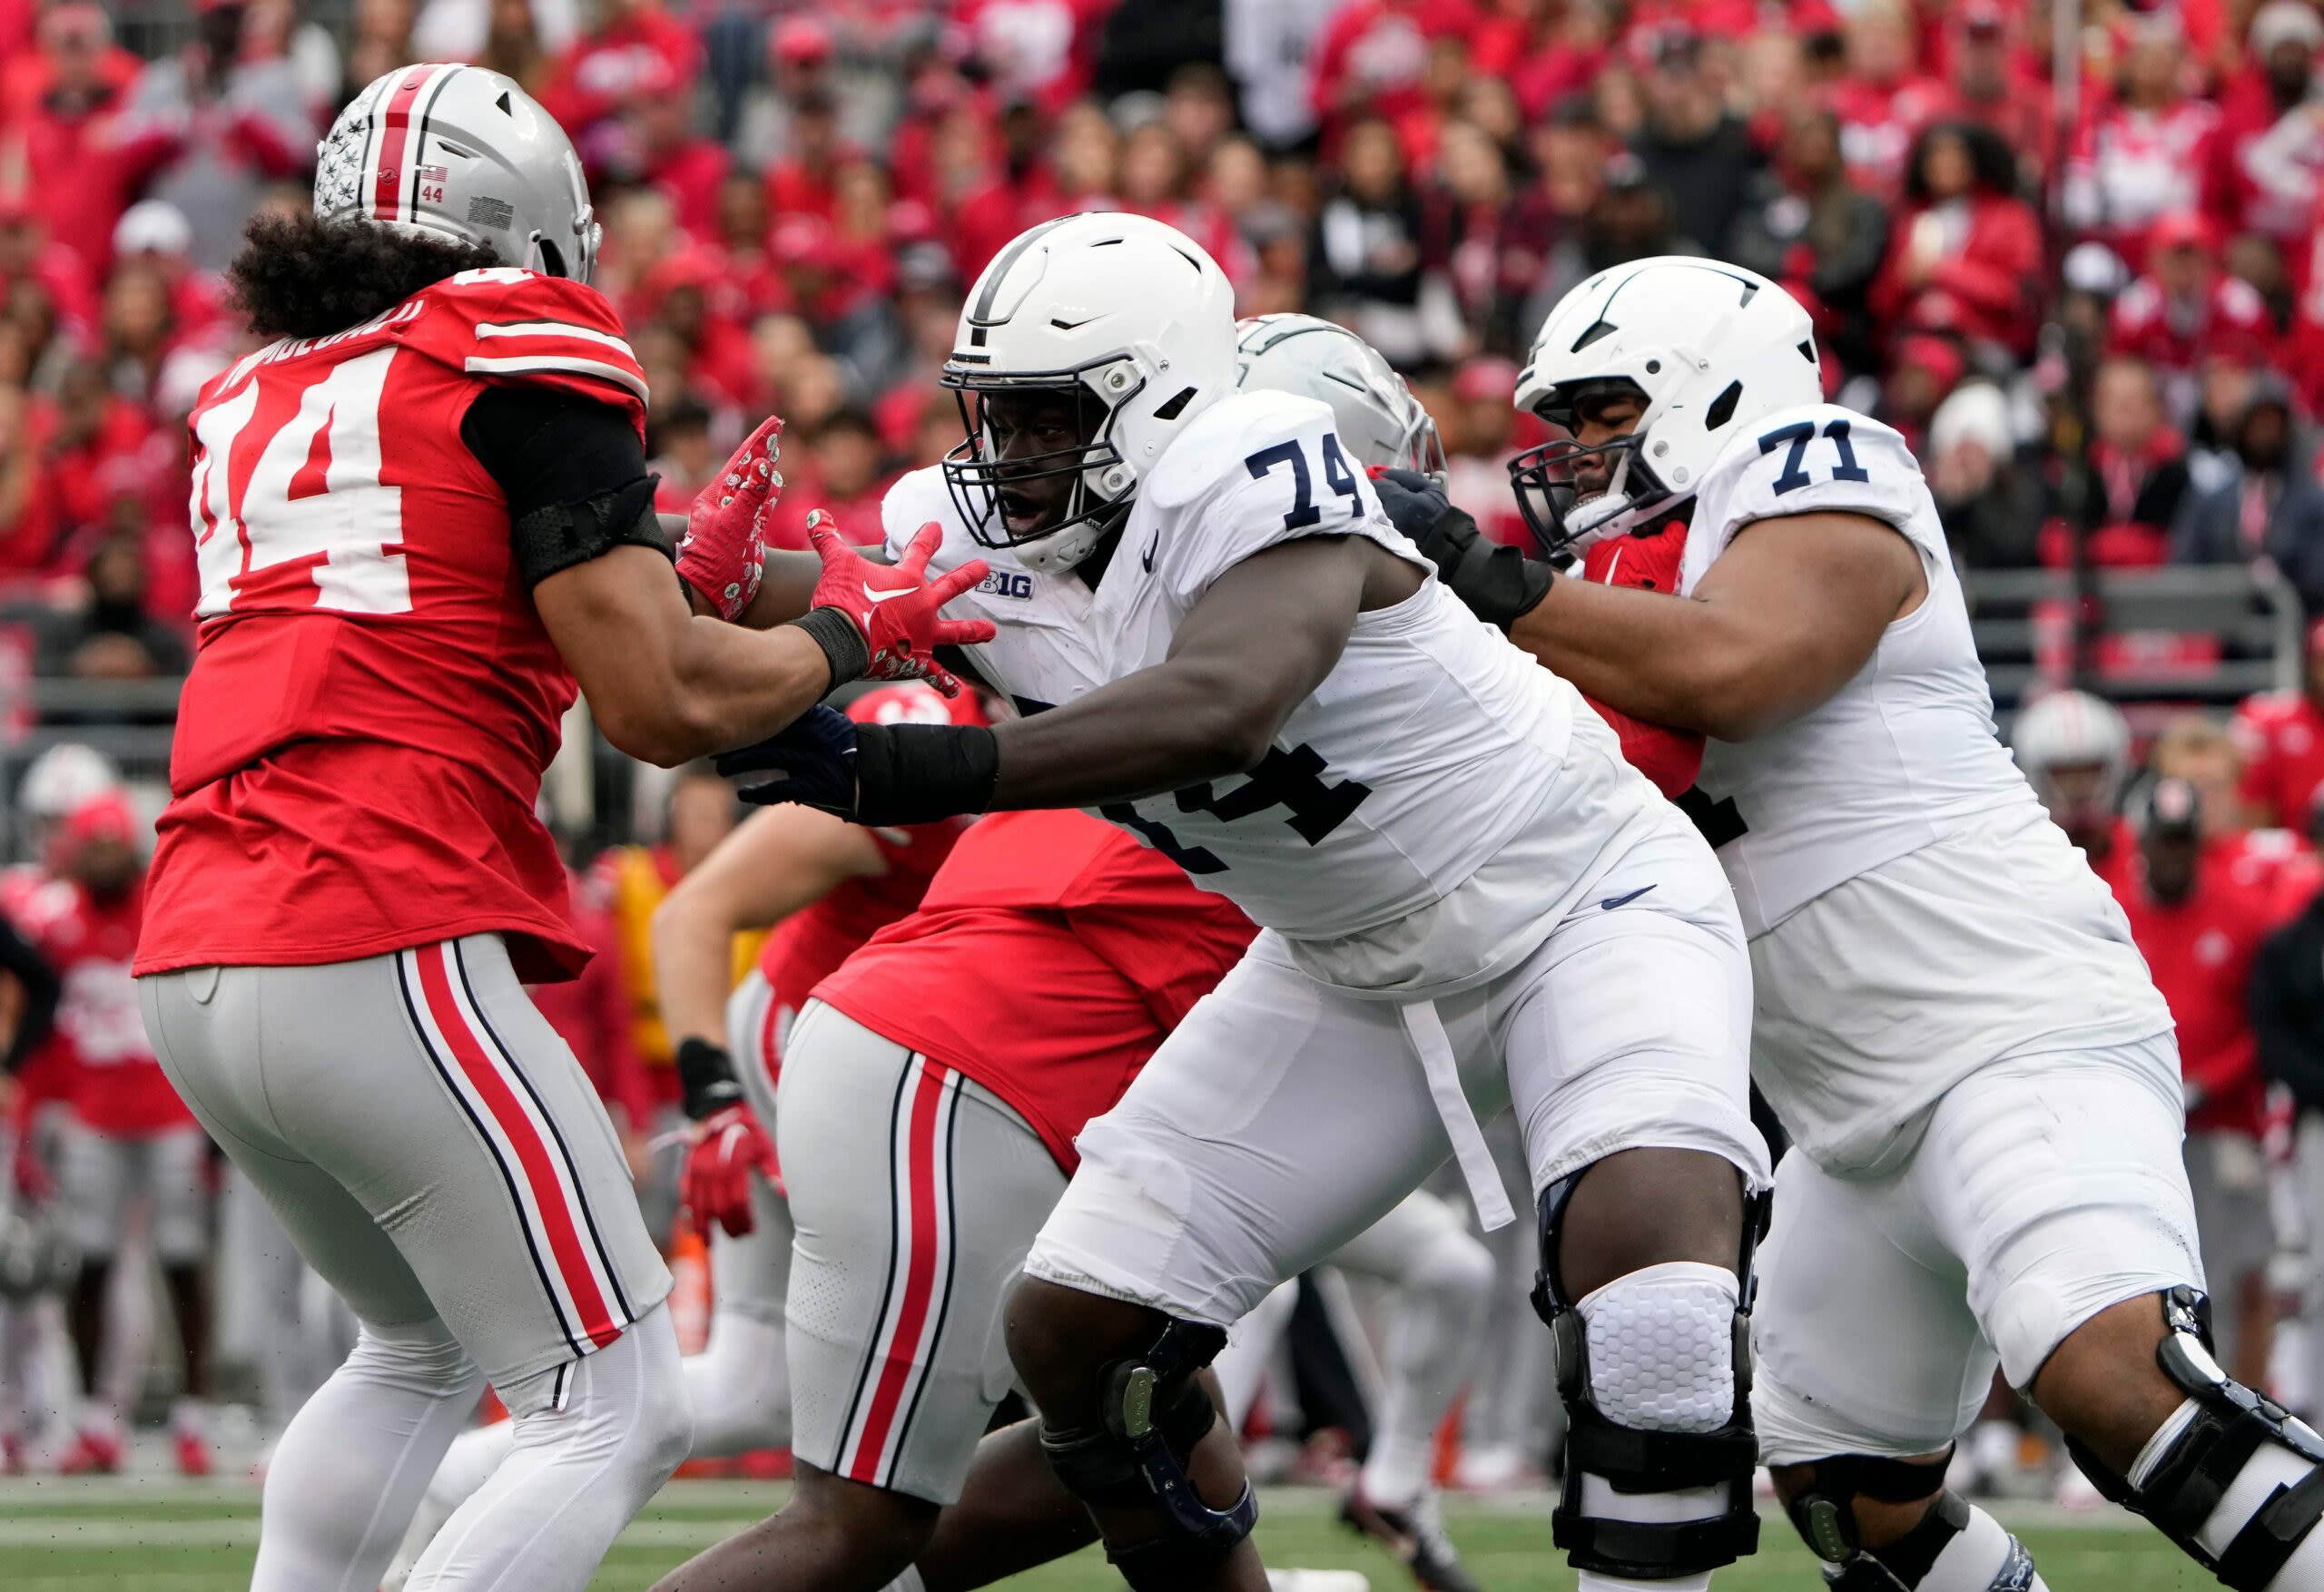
x=510, y=326
x=916, y=498
x=1212, y=451
x=1819, y=460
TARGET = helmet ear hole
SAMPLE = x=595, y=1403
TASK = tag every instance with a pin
x=1177, y=404
x=552, y=261
x=1722, y=407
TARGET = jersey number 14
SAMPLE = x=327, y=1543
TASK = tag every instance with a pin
x=300, y=495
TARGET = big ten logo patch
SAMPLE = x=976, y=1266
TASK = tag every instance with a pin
x=1001, y=582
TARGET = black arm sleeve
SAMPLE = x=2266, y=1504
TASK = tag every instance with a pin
x=18, y=958
x=573, y=471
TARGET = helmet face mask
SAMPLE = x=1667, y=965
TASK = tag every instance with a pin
x=1706, y=350
x=1571, y=492
x=1123, y=315
x=1038, y=473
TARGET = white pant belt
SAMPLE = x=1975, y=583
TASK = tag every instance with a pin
x=1426, y=1031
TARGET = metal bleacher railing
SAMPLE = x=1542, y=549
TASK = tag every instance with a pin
x=2153, y=641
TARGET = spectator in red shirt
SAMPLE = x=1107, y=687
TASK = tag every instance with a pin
x=2185, y=310
x=1883, y=99
x=88, y=426
x=1966, y=254
x=652, y=140
x=800, y=184
x=634, y=43
x=2261, y=177
x=2200, y=931
x=1989, y=86
x=2281, y=735
x=56, y=109
x=1372, y=59
x=2138, y=155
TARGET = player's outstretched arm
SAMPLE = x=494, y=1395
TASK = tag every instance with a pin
x=1783, y=619
x=778, y=862
x=1253, y=647
x=665, y=685
x=1256, y=645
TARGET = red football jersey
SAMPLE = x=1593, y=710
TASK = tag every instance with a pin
x=811, y=943
x=2200, y=951
x=1049, y=958
x=100, y=1057
x=2282, y=737
x=360, y=742
x=1647, y=560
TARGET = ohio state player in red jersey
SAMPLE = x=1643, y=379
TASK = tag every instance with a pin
x=127, y=1135
x=825, y=886
x=2281, y=734
x=422, y=517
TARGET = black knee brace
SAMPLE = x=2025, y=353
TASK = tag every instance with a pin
x=1631, y=1460
x=1904, y=1564
x=2231, y=1423
x=1154, y=1409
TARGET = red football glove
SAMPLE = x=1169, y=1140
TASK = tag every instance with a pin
x=727, y=1148
x=893, y=606
x=723, y=555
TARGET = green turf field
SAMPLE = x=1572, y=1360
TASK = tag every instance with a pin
x=168, y=1536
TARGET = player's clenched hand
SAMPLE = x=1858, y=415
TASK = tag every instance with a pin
x=723, y=554
x=890, y=610
x=728, y=1148
x=1499, y=584
x=871, y=773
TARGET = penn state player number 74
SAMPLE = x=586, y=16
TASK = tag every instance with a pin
x=1336, y=475
x=1799, y=435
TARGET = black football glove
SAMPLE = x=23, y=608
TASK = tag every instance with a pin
x=871, y=773
x=1500, y=585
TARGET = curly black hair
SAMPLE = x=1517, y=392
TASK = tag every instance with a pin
x=301, y=276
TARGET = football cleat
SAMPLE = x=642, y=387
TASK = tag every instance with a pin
x=1415, y=1534
x=93, y=1453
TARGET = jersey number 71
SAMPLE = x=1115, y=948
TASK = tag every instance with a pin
x=1799, y=435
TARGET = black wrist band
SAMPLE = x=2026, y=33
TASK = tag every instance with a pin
x=919, y=774
x=842, y=644
x=706, y=1080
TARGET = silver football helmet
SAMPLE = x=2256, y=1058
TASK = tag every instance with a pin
x=1379, y=419
x=2074, y=750
x=460, y=151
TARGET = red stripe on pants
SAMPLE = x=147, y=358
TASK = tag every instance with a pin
x=920, y=1276
x=533, y=1160
x=395, y=132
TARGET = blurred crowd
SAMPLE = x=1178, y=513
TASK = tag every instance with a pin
x=2092, y=311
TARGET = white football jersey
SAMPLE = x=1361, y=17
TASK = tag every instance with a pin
x=1430, y=746
x=1914, y=914
x=1905, y=752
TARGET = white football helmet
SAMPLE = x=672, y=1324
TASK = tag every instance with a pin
x=63, y=778
x=1379, y=419
x=1709, y=349
x=461, y=153
x=1127, y=316
x=2067, y=730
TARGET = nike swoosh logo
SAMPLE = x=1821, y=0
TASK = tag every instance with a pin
x=1610, y=902
x=887, y=596
x=1147, y=558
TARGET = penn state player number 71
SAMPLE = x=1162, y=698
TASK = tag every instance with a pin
x=1336, y=475
x=1799, y=435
